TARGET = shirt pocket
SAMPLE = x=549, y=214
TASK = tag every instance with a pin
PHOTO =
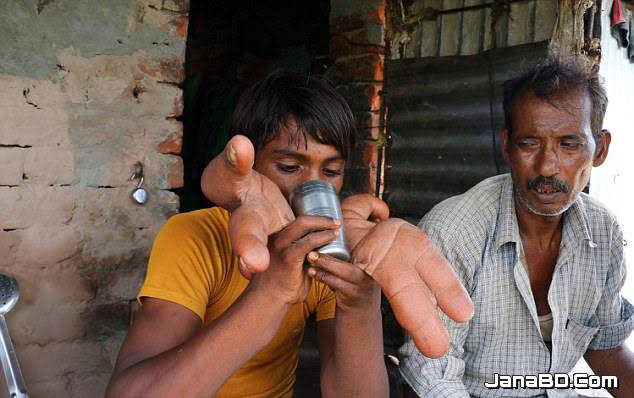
x=576, y=338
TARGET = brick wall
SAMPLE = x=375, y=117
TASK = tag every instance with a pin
x=357, y=46
x=88, y=89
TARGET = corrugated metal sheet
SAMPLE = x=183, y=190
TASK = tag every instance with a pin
x=469, y=32
x=443, y=119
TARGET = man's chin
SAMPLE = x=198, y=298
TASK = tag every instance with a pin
x=546, y=207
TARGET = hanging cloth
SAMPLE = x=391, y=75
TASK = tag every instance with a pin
x=620, y=23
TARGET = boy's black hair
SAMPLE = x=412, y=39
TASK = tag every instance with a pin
x=558, y=75
x=312, y=104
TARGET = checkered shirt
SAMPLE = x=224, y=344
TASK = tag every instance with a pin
x=478, y=233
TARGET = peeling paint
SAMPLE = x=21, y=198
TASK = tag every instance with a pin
x=31, y=41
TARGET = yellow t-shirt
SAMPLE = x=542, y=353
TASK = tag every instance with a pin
x=192, y=264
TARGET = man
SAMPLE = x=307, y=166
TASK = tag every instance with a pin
x=543, y=262
x=204, y=329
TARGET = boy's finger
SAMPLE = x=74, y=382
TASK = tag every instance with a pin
x=304, y=225
x=332, y=281
x=226, y=178
x=341, y=269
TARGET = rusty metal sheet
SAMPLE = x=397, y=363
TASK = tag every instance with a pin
x=443, y=119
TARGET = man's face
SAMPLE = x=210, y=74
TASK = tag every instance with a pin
x=289, y=161
x=551, y=151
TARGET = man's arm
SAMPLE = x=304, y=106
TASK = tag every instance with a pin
x=617, y=361
x=607, y=354
x=351, y=344
x=166, y=351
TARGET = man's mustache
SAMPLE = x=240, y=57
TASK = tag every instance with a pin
x=542, y=181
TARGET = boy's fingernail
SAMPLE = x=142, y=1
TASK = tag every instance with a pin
x=313, y=256
x=231, y=155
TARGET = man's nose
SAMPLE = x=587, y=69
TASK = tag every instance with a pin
x=548, y=161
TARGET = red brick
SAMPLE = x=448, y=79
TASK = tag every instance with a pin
x=175, y=177
x=181, y=24
x=370, y=154
x=371, y=133
x=169, y=70
x=171, y=145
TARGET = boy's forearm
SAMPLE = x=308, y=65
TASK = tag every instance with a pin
x=358, y=368
x=215, y=352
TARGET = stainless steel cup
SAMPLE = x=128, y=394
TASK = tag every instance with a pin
x=319, y=198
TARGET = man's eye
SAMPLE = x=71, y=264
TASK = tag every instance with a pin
x=527, y=144
x=287, y=168
x=332, y=172
x=571, y=144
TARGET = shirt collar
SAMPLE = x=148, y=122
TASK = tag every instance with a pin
x=507, y=229
x=576, y=224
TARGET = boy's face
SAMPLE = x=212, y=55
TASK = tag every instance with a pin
x=289, y=161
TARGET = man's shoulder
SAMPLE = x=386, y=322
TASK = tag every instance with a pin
x=471, y=209
x=595, y=209
x=600, y=218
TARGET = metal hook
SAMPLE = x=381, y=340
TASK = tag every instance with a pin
x=137, y=171
x=140, y=194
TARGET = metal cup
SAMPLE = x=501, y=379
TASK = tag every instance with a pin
x=319, y=198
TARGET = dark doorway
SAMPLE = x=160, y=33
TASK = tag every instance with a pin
x=230, y=45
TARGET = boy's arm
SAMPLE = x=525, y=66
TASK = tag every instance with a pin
x=166, y=351
x=351, y=344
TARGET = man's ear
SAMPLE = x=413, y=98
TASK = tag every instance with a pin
x=504, y=143
x=603, y=146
